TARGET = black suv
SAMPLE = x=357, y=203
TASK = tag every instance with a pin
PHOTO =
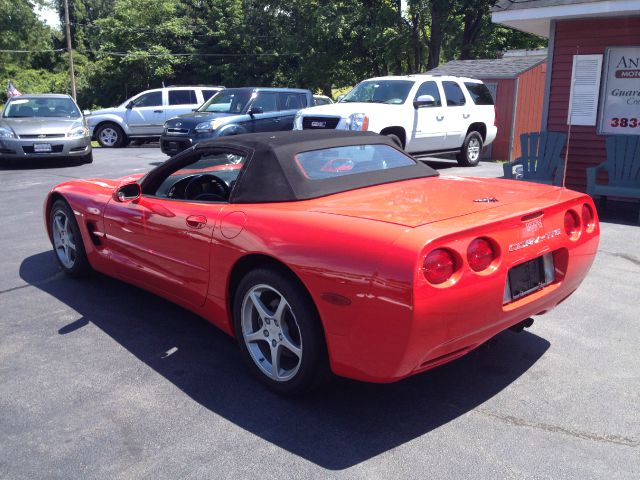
x=233, y=111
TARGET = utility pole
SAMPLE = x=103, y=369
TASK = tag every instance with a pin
x=69, y=51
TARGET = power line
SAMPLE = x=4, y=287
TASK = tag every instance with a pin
x=33, y=51
x=168, y=54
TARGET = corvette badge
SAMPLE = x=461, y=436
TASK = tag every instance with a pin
x=534, y=241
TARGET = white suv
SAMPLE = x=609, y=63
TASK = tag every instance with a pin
x=143, y=116
x=421, y=113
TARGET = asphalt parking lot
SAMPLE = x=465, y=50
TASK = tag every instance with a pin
x=99, y=379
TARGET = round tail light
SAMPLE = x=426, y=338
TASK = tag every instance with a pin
x=587, y=217
x=480, y=254
x=571, y=224
x=439, y=266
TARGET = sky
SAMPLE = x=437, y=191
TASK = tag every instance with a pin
x=48, y=14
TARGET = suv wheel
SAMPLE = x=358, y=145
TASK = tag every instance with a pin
x=469, y=155
x=110, y=135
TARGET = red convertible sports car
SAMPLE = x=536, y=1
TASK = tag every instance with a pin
x=331, y=251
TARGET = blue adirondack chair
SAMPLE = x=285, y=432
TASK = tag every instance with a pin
x=540, y=158
x=623, y=169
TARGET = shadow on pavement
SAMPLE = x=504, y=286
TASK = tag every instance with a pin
x=39, y=163
x=620, y=212
x=336, y=427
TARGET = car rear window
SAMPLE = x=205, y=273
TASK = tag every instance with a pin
x=182, y=97
x=479, y=93
x=349, y=160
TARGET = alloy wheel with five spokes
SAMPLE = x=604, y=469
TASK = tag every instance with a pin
x=279, y=331
x=64, y=241
x=67, y=240
x=271, y=333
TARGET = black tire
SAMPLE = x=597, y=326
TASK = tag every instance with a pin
x=471, y=150
x=395, y=139
x=110, y=135
x=74, y=264
x=298, y=325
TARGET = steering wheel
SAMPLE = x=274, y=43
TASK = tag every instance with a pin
x=206, y=186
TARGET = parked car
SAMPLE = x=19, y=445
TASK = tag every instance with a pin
x=321, y=100
x=421, y=113
x=234, y=111
x=47, y=125
x=331, y=250
x=142, y=116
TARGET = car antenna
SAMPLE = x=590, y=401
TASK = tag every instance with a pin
x=566, y=150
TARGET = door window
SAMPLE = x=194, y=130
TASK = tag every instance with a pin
x=430, y=88
x=207, y=176
x=292, y=101
x=151, y=99
x=453, y=94
x=182, y=97
x=266, y=100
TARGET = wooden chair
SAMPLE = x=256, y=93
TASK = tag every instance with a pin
x=623, y=169
x=540, y=158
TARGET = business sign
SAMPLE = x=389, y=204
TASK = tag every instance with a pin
x=620, y=112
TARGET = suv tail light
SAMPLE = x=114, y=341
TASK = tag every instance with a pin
x=572, y=224
x=495, y=117
x=480, y=254
x=439, y=266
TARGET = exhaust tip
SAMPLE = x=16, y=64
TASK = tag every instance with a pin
x=520, y=326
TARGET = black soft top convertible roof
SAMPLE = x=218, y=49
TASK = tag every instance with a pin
x=271, y=174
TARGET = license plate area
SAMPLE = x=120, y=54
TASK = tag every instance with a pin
x=529, y=277
x=41, y=147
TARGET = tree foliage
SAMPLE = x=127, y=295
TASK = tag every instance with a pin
x=124, y=46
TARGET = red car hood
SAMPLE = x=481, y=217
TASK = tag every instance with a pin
x=418, y=202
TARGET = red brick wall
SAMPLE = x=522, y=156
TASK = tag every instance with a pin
x=586, y=148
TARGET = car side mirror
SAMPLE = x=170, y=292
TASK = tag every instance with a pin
x=129, y=105
x=86, y=113
x=255, y=110
x=424, y=101
x=128, y=192
x=339, y=99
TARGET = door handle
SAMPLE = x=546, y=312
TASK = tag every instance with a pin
x=440, y=118
x=196, y=221
x=158, y=111
x=277, y=120
x=466, y=115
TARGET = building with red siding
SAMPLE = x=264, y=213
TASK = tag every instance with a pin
x=592, y=85
x=516, y=82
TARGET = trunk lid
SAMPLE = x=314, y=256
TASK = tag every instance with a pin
x=418, y=202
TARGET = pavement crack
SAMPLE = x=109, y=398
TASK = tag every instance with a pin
x=519, y=422
x=34, y=284
x=625, y=256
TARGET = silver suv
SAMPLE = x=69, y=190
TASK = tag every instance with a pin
x=143, y=116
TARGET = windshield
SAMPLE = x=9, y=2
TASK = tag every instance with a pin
x=230, y=100
x=41, y=107
x=380, y=91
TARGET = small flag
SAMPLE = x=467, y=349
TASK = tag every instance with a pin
x=12, y=91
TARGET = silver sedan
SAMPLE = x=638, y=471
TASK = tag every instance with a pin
x=48, y=125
